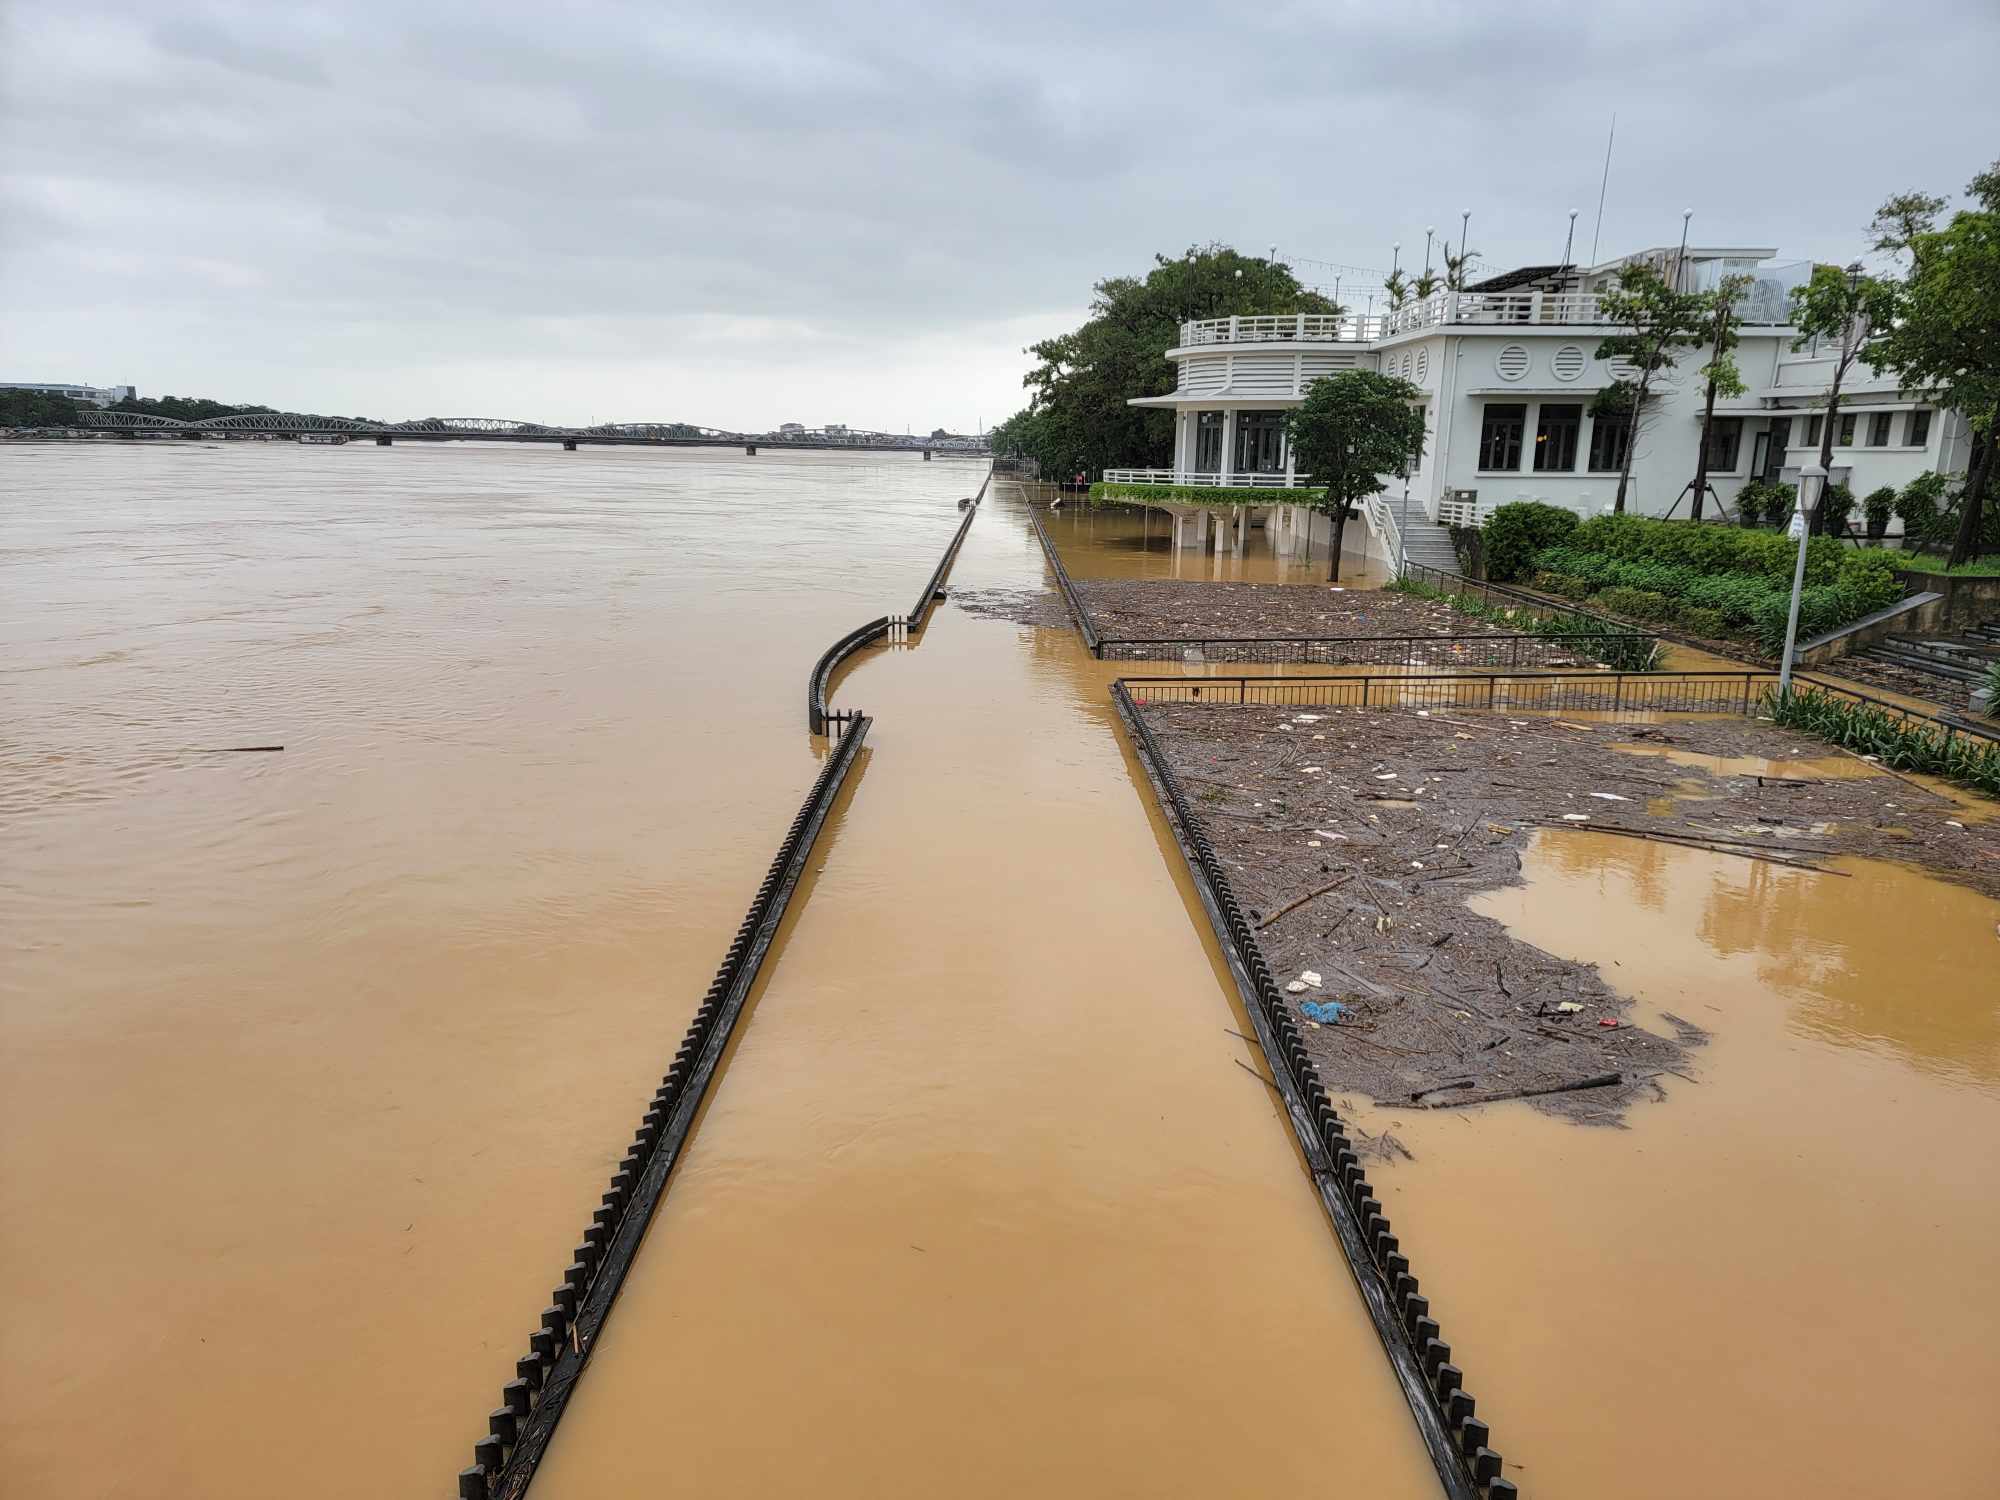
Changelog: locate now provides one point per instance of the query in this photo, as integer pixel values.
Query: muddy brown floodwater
(1119, 541)
(315, 1061)
(984, 1205)
(1780, 1281)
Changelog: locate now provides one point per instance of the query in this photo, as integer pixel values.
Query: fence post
(1617, 692)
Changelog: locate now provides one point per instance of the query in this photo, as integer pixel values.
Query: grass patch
(1924, 562)
(1897, 741)
(1582, 634)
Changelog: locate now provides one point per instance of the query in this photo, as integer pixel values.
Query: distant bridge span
(495, 429)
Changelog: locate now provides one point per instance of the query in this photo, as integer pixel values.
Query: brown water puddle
(1781, 1281)
(1106, 541)
(984, 1204)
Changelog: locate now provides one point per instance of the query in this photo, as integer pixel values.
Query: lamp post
(1812, 483)
(1429, 230)
(1403, 526)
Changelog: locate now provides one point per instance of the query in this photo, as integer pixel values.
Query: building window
(1846, 437)
(1500, 437)
(1725, 437)
(1781, 437)
(1814, 425)
(1610, 436)
(1555, 438)
(1918, 433)
(1878, 429)
(1260, 442)
(1208, 442)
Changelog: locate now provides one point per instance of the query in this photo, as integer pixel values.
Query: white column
(1228, 463)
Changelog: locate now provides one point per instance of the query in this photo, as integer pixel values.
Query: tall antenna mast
(1596, 233)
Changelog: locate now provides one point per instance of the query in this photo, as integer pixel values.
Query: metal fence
(1459, 1442)
(1495, 594)
(1070, 596)
(1492, 649)
(1636, 693)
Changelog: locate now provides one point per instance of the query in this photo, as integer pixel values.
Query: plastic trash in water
(1326, 1011)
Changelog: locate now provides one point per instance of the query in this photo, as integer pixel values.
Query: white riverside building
(94, 395)
(1508, 368)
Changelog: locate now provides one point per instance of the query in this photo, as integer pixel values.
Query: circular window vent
(1512, 363)
(1568, 362)
(1423, 364)
(1624, 369)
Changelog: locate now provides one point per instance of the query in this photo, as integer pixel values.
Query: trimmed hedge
(1197, 494)
(1717, 580)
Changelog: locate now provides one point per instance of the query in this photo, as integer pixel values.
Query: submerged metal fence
(1489, 649)
(1458, 1441)
(1496, 593)
(519, 1430)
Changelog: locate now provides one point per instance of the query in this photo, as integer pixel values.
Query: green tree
(1659, 321)
(1720, 373)
(1351, 430)
(1834, 305)
(1940, 326)
(36, 409)
(1082, 380)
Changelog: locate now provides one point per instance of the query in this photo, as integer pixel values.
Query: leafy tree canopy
(35, 409)
(1077, 419)
(1351, 431)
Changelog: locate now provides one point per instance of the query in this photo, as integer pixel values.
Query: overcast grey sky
(760, 212)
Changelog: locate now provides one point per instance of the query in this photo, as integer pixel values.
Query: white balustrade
(1209, 479)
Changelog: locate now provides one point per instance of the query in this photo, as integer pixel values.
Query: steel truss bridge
(498, 430)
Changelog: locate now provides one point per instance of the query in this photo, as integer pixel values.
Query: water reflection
(1886, 958)
(1119, 541)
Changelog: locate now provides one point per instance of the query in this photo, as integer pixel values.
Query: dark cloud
(781, 210)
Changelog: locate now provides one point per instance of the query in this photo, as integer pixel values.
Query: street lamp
(1812, 481)
(1403, 526)
(1429, 230)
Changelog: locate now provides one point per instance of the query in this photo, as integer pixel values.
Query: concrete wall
(1967, 601)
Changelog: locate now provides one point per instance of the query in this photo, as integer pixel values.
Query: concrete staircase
(1960, 660)
(1429, 544)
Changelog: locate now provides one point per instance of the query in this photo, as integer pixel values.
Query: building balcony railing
(1283, 328)
(1437, 310)
(1208, 478)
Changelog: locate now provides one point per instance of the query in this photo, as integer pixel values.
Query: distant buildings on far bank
(93, 395)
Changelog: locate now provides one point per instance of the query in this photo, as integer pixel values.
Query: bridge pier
(927, 455)
(751, 449)
(569, 445)
(382, 442)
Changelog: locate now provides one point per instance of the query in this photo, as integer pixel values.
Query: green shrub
(1561, 584)
(1835, 506)
(1731, 595)
(1515, 533)
(1699, 621)
(1637, 604)
(1754, 501)
(1918, 506)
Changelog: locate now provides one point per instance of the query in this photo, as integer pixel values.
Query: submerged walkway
(983, 1205)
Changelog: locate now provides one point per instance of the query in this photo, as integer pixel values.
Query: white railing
(1382, 521)
(1209, 479)
(1459, 508)
(1283, 328)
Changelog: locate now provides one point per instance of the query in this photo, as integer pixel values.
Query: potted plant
(1876, 510)
(1835, 506)
(1780, 501)
(1751, 502)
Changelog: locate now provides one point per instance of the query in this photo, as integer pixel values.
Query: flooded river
(316, 1060)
